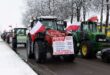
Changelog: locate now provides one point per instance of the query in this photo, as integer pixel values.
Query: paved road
(78, 67)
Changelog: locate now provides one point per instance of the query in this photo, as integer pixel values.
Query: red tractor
(51, 40)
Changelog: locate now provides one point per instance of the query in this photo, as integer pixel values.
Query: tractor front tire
(87, 50)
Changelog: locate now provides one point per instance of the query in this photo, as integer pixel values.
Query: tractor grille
(100, 38)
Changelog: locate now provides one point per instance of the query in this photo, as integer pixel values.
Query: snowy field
(11, 63)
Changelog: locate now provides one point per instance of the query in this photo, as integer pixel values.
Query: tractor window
(61, 27)
(21, 32)
(90, 27)
(49, 24)
(86, 27)
(93, 27)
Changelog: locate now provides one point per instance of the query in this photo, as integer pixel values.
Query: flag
(73, 26)
(93, 19)
(38, 27)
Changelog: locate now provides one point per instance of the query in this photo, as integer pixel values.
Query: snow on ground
(11, 63)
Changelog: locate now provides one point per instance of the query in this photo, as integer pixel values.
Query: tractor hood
(55, 33)
(97, 36)
(98, 33)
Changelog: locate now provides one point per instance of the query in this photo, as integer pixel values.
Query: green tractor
(89, 39)
(18, 37)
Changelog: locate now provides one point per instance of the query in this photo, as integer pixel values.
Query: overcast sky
(10, 12)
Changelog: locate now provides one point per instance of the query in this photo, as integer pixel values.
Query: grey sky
(10, 13)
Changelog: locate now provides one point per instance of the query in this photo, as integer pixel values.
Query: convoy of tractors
(47, 37)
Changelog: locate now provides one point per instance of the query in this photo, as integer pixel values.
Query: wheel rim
(84, 50)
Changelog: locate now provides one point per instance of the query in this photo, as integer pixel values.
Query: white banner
(63, 45)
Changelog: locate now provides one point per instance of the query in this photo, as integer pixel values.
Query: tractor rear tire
(39, 51)
(87, 50)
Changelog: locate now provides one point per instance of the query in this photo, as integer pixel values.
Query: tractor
(51, 41)
(89, 39)
(18, 37)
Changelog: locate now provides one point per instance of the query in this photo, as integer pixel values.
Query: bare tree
(61, 8)
(107, 15)
(101, 15)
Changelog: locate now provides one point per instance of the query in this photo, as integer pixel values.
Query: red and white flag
(73, 26)
(38, 27)
(93, 19)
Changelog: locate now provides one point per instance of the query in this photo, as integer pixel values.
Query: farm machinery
(49, 39)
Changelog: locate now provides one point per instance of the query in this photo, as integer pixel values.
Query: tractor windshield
(61, 27)
(50, 24)
(21, 31)
(89, 27)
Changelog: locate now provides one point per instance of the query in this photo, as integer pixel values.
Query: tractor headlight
(101, 39)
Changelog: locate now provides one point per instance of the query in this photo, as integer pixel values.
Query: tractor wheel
(39, 51)
(29, 53)
(69, 58)
(14, 44)
(86, 49)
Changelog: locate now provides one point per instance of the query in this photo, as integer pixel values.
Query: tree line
(66, 8)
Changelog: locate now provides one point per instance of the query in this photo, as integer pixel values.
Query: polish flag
(93, 19)
(73, 26)
(38, 27)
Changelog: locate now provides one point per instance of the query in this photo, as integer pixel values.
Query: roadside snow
(11, 63)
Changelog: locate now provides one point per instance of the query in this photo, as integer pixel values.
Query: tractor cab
(89, 31)
(49, 22)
